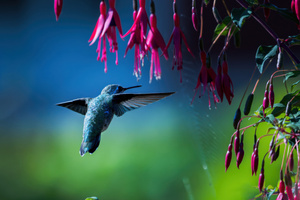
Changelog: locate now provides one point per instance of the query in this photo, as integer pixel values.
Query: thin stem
(201, 19)
(225, 6)
(269, 30)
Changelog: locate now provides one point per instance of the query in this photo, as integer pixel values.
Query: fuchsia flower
(57, 8)
(96, 33)
(106, 26)
(140, 22)
(206, 78)
(135, 40)
(226, 82)
(177, 36)
(219, 84)
(254, 159)
(261, 179)
(228, 156)
(266, 10)
(112, 21)
(155, 41)
(282, 195)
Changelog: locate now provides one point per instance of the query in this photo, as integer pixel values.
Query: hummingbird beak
(132, 87)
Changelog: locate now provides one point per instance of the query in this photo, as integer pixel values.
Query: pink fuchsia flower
(57, 8)
(206, 78)
(254, 159)
(226, 82)
(141, 22)
(135, 40)
(177, 36)
(282, 195)
(228, 156)
(155, 41)
(289, 185)
(96, 34)
(261, 178)
(240, 154)
(112, 21)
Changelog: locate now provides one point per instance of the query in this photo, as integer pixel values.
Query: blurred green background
(168, 150)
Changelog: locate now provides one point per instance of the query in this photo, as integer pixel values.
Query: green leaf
(294, 84)
(238, 15)
(293, 40)
(264, 53)
(206, 2)
(291, 74)
(270, 119)
(287, 13)
(92, 198)
(252, 2)
(226, 22)
(279, 108)
(269, 194)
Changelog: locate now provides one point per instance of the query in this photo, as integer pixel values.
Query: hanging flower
(194, 15)
(142, 21)
(112, 21)
(155, 41)
(177, 36)
(135, 40)
(206, 78)
(96, 33)
(57, 8)
(226, 82)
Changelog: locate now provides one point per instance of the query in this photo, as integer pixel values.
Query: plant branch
(269, 30)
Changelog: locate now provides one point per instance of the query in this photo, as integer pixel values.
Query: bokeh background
(168, 150)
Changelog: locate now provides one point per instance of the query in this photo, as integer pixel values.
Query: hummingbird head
(115, 89)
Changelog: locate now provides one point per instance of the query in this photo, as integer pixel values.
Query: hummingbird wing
(78, 105)
(126, 102)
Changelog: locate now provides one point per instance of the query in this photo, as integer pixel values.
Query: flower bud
(228, 157)
(281, 186)
(240, 154)
(194, 18)
(289, 185)
(236, 118)
(254, 160)
(266, 100)
(261, 177)
(248, 104)
(279, 60)
(271, 95)
(237, 142)
(275, 155)
(57, 8)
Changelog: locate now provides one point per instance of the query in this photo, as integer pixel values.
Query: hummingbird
(100, 110)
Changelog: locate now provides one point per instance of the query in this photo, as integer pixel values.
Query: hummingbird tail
(89, 146)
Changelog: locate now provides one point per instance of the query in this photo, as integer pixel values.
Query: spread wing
(126, 102)
(78, 105)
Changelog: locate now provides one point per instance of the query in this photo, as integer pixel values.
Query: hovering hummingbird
(100, 110)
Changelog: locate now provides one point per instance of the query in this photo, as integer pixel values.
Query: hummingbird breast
(98, 117)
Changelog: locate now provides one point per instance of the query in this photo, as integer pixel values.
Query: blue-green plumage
(100, 110)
